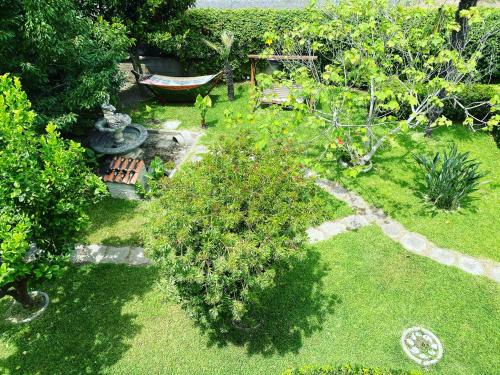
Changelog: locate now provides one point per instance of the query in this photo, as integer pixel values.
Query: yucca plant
(224, 50)
(449, 177)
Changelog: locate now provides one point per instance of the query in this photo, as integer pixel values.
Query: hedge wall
(346, 370)
(249, 26)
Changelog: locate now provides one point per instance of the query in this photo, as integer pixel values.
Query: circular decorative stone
(17, 315)
(422, 346)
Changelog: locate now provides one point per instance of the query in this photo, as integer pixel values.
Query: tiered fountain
(116, 134)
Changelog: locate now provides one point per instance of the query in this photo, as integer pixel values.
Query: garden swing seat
(277, 94)
(177, 89)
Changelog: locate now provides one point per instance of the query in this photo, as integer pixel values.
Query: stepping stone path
(413, 242)
(365, 215)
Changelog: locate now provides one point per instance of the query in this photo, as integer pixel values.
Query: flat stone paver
(354, 222)
(116, 255)
(393, 229)
(495, 273)
(332, 228)
(137, 257)
(470, 265)
(315, 235)
(88, 254)
(414, 242)
(443, 256)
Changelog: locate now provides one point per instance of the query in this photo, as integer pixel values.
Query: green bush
(226, 228)
(449, 177)
(474, 93)
(346, 370)
(45, 189)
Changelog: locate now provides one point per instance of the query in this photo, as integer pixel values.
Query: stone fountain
(116, 135)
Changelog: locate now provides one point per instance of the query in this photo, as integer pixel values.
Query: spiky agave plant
(449, 177)
(224, 50)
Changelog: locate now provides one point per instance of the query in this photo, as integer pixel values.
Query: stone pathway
(413, 242)
(364, 215)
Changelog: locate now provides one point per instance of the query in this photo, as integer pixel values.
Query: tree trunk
(19, 291)
(458, 37)
(228, 73)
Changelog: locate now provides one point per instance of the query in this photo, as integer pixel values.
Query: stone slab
(495, 273)
(332, 228)
(137, 257)
(88, 254)
(470, 265)
(315, 235)
(393, 229)
(354, 222)
(116, 255)
(442, 256)
(414, 242)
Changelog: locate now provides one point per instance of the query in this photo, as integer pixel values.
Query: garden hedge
(249, 26)
(346, 370)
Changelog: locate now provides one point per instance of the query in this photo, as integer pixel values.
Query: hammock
(177, 89)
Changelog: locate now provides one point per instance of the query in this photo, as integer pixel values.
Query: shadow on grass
(84, 330)
(295, 309)
(116, 222)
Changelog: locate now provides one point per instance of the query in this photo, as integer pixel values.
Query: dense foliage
(147, 21)
(67, 63)
(449, 177)
(45, 188)
(346, 370)
(224, 229)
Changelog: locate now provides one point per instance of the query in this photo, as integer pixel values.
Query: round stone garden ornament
(18, 315)
(422, 346)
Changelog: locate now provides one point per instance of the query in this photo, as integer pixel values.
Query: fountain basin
(134, 135)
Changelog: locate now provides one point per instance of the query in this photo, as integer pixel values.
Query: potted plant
(203, 104)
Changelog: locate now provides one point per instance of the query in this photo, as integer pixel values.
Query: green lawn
(392, 183)
(348, 302)
(116, 222)
(473, 229)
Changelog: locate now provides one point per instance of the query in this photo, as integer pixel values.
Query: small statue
(113, 123)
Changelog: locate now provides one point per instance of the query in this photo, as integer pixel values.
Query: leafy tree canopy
(45, 188)
(66, 62)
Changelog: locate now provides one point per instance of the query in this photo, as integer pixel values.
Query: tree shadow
(294, 309)
(84, 330)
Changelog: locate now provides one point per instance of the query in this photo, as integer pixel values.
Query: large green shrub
(449, 177)
(68, 64)
(226, 228)
(45, 187)
(346, 370)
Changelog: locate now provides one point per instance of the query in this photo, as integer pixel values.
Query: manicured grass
(116, 222)
(348, 302)
(392, 185)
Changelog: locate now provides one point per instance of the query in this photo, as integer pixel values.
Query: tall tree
(146, 20)
(45, 188)
(459, 36)
(67, 63)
